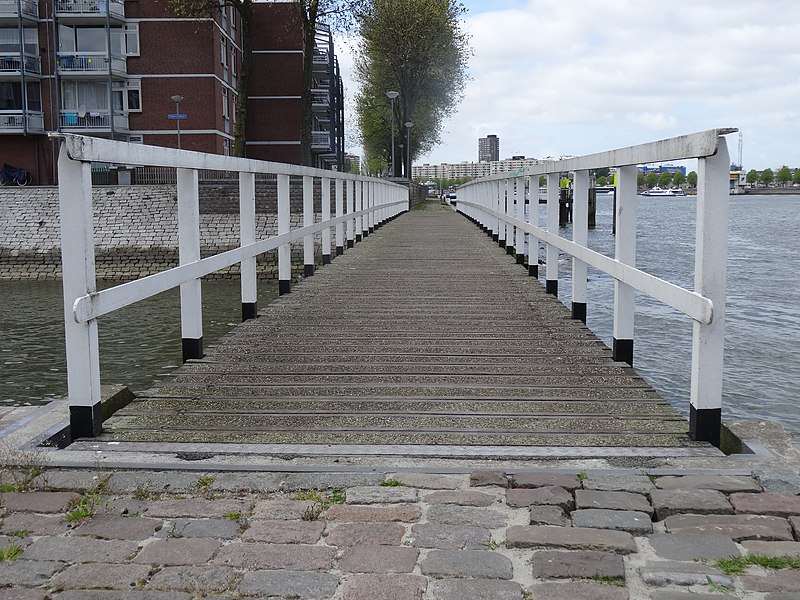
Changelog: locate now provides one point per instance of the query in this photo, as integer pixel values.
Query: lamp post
(392, 95)
(177, 100)
(408, 148)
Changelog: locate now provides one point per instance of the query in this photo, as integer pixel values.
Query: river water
(762, 342)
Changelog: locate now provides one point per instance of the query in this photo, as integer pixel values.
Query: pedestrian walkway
(486, 535)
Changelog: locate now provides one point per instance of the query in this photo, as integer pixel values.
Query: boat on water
(657, 191)
(604, 189)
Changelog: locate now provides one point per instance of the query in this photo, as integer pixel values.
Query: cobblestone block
(281, 509)
(663, 573)
(612, 500)
(285, 532)
(576, 590)
(101, 575)
(428, 481)
(28, 573)
(291, 557)
(450, 537)
(673, 595)
(779, 582)
(178, 551)
(391, 586)
(569, 538)
(738, 527)
(352, 514)
(768, 503)
(378, 559)
(467, 563)
(381, 495)
(329, 481)
(201, 579)
(197, 507)
(722, 483)
(543, 496)
(84, 548)
(226, 529)
(350, 535)
(543, 479)
(476, 589)
(487, 478)
(461, 497)
(128, 482)
(34, 524)
(637, 484)
(449, 514)
(548, 515)
(779, 481)
(772, 548)
(699, 502)
(688, 546)
(120, 528)
(256, 482)
(634, 522)
(37, 502)
(549, 564)
(120, 595)
(23, 594)
(301, 585)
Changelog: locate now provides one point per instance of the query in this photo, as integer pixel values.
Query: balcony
(320, 99)
(90, 11)
(92, 121)
(14, 121)
(9, 10)
(90, 64)
(12, 64)
(320, 140)
(321, 61)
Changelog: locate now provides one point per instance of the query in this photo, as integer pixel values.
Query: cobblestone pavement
(374, 536)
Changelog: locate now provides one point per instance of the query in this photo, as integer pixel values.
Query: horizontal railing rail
(497, 202)
(361, 204)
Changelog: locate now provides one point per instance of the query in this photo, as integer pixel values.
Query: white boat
(657, 191)
(604, 189)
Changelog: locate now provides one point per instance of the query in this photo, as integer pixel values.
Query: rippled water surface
(762, 343)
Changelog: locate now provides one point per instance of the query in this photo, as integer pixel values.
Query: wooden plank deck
(425, 334)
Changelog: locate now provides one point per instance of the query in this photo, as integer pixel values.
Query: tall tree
(418, 49)
(767, 176)
(784, 175)
(752, 176)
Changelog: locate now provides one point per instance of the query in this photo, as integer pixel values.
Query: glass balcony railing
(93, 120)
(90, 62)
(13, 121)
(84, 8)
(10, 8)
(12, 64)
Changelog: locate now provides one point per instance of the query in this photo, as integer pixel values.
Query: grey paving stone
(569, 538)
(486, 478)
(127, 482)
(256, 482)
(663, 573)
(378, 559)
(548, 515)
(34, 524)
(634, 522)
(124, 506)
(197, 507)
(673, 595)
(461, 497)
(38, 502)
(390, 586)
(578, 564)
(722, 483)
(467, 563)
(779, 481)
(576, 590)
(285, 509)
(381, 495)
(200, 579)
(285, 532)
(543, 496)
(120, 595)
(688, 546)
(768, 503)
(449, 514)
(120, 528)
(475, 589)
(772, 548)
(28, 573)
(101, 575)
(291, 557)
(23, 594)
(777, 581)
(178, 551)
(352, 514)
(432, 481)
(450, 537)
(15, 541)
(738, 527)
(329, 481)
(545, 479)
(71, 480)
(637, 484)
(226, 529)
(80, 549)
(348, 535)
(301, 585)
(612, 500)
(699, 502)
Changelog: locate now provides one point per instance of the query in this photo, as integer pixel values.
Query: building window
(91, 95)
(136, 139)
(9, 40)
(223, 55)
(225, 114)
(134, 95)
(226, 147)
(132, 39)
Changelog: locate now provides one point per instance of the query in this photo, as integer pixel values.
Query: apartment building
(489, 148)
(134, 71)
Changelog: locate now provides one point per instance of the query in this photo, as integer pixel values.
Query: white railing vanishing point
(496, 203)
(368, 202)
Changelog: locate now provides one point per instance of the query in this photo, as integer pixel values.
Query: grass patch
(392, 483)
(11, 553)
(203, 486)
(609, 580)
(22, 470)
(86, 505)
(737, 565)
(582, 476)
(326, 500)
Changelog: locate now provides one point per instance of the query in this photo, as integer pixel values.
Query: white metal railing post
(308, 220)
(372, 204)
(501, 204)
(580, 235)
(359, 206)
(326, 215)
(189, 252)
(351, 223)
(339, 212)
(533, 217)
(711, 256)
(625, 252)
(511, 212)
(519, 213)
(247, 235)
(553, 194)
(284, 225)
(78, 273)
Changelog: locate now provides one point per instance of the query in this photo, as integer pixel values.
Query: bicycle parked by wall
(10, 175)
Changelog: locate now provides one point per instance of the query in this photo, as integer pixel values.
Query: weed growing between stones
(22, 470)
(203, 486)
(582, 476)
(392, 483)
(609, 580)
(321, 501)
(87, 505)
(10, 554)
(738, 564)
(719, 587)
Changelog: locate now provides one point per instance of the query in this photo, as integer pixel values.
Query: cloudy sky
(572, 77)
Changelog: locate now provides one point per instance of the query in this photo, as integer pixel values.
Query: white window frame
(132, 31)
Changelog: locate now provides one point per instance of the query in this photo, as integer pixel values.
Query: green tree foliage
(678, 178)
(752, 176)
(767, 176)
(796, 176)
(651, 179)
(665, 179)
(691, 178)
(602, 180)
(784, 175)
(417, 48)
(640, 179)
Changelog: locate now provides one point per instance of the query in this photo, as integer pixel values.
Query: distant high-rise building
(489, 148)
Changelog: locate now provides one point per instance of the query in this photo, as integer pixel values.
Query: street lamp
(408, 148)
(177, 100)
(392, 95)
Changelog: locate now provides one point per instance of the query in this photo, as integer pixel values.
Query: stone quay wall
(136, 229)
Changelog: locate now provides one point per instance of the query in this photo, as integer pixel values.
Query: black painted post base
(364, 234)
(579, 311)
(510, 250)
(501, 243)
(551, 286)
(326, 259)
(249, 310)
(350, 243)
(339, 250)
(308, 270)
(192, 348)
(623, 351)
(520, 259)
(705, 424)
(284, 287)
(495, 237)
(85, 421)
(533, 270)
(372, 230)
(358, 237)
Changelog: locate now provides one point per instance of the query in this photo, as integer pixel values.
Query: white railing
(496, 203)
(90, 62)
(13, 63)
(15, 120)
(93, 120)
(30, 8)
(115, 8)
(361, 204)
